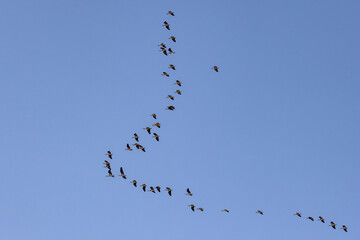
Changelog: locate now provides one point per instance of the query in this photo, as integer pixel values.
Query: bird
(188, 192)
(171, 13)
(164, 51)
(168, 190)
(144, 187)
(167, 25)
(192, 207)
(134, 182)
(225, 210)
(148, 129)
(153, 115)
(201, 209)
(165, 74)
(128, 147)
(260, 212)
(173, 38)
(137, 145)
(178, 92)
(158, 188)
(312, 219)
(122, 173)
(298, 214)
(178, 83)
(152, 190)
(107, 164)
(344, 228)
(171, 97)
(172, 67)
(162, 45)
(109, 154)
(142, 148)
(216, 68)
(170, 51)
(170, 108)
(156, 136)
(156, 125)
(136, 137)
(110, 173)
(333, 225)
(321, 219)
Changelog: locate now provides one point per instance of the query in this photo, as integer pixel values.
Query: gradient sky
(276, 129)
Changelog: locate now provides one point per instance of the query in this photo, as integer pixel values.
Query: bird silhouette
(173, 38)
(192, 207)
(167, 25)
(216, 68)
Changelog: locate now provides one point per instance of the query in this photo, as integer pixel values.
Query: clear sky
(276, 129)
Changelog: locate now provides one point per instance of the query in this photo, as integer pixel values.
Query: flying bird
(164, 51)
(170, 96)
(136, 137)
(144, 187)
(344, 228)
(173, 38)
(192, 207)
(128, 147)
(178, 83)
(142, 148)
(158, 188)
(260, 212)
(162, 45)
(107, 164)
(153, 115)
(178, 92)
(170, 108)
(201, 209)
(137, 145)
(156, 125)
(225, 210)
(134, 182)
(171, 13)
(170, 51)
(168, 190)
(148, 129)
(298, 214)
(321, 219)
(172, 67)
(216, 68)
(110, 173)
(333, 225)
(156, 136)
(122, 173)
(188, 192)
(167, 25)
(152, 189)
(109, 154)
(165, 74)
(312, 219)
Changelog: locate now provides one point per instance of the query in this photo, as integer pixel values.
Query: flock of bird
(166, 51)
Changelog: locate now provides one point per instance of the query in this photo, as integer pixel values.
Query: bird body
(144, 187)
(260, 212)
(225, 210)
(171, 97)
(136, 137)
(171, 13)
(178, 83)
(178, 92)
(110, 173)
(167, 25)
(168, 190)
(201, 209)
(172, 67)
(310, 218)
(148, 129)
(122, 174)
(344, 228)
(188, 192)
(154, 115)
(156, 136)
(109, 154)
(165, 74)
(321, 219)
(158, 188)
(333, 225)
(152, 189)
(170, 51)
(156, 125)
(216, 68)
(128, 147)
(192, 207)
(173, 38)
(134, 182)
(298, 214)
(170, 108)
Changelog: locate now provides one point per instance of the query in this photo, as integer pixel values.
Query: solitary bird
(156, 136)
(332, 224)
(153, 115)
(168, 190)
(170, 108)
(200, 208)
(173, 38)
(178, 83)
(225, 210)
(216, 68)
(172, 67)
(128, 147)
(321, 219)
(260, 212)
(165, 74)
(148, 129)
(170, 51)
(134, 182)
(298, 214)
(171, 97)
(136, 137)
(178, 92)
(171, 13)
(156, 125)
(152, 189)
(144, 187)
(344, 228)
(192, 207)
(312, 219)
(110, 173)
(188, 192)
(158, 188)
(167, 25)
(122, 173)
(109, 154)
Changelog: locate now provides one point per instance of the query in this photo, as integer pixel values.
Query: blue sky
(276, 129)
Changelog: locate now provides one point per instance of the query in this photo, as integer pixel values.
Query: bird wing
(188, 190)
(121, 170)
